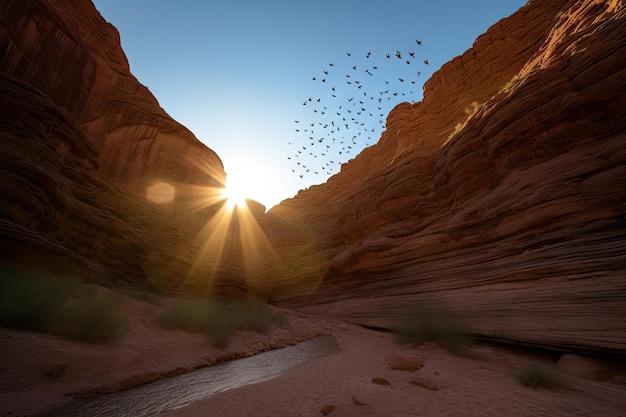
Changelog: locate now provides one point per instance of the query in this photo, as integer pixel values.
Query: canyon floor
(40, 371)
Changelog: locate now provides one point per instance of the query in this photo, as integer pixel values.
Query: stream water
(181, 390)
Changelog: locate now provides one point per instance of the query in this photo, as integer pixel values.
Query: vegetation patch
(55, 305)
(511, 83)
(537, 377)
(89, 319)
(219, 319)
(28, 300)
(472, 108)
(424, 323)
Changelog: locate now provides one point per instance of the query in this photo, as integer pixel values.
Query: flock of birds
(348, 110)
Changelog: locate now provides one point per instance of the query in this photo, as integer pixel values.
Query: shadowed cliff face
(97, 180)
(501, 195)
(66, 49)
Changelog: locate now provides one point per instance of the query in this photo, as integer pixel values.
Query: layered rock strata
(501, 195)
(96, 177)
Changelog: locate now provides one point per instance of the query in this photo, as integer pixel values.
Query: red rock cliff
(501, 195)
(83, 144)
(67, 49)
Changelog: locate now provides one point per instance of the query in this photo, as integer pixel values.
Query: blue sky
(238, 74)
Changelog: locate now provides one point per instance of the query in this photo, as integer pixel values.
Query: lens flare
(160, 193)
(229, 250)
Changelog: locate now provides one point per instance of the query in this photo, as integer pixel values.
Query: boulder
(406, 362)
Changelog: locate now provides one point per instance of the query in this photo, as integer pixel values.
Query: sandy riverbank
(40, 371)
(354, 383)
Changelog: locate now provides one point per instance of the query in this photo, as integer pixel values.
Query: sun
(236, 192)
(249, 178)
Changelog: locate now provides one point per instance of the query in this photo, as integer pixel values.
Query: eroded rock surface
(97, 179)
(501, 195)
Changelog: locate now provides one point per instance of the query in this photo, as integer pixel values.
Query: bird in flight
(353, 115)
(418, 41)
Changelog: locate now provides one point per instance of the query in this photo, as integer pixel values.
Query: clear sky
(239, 74)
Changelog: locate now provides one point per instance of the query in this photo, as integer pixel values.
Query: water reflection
(181, 390)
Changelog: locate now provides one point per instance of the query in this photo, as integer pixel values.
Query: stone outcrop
(96, 178)
(501, 195)
(67, 50)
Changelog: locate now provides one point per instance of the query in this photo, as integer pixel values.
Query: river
(178, 391)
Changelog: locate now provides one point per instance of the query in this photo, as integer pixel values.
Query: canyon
(500, 195)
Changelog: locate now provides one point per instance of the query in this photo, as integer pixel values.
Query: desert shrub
(219, 319)
(27, 300)
(426, 323)
(89, 319)
(471, 109)
(39, 303)
(536, 377)
(512, 82)
(186, 315)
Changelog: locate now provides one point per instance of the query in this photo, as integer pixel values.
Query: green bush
(89, 319)
(42, 304)
(536, 377)
(425, 323)
(218, 319)
(28, 300)
(189, 316)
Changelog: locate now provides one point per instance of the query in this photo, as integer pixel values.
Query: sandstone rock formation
(501, 195)
(96, 178)
(68, 51)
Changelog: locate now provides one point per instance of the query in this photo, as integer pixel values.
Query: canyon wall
(67, 50)
(502, 195)
(97, 179)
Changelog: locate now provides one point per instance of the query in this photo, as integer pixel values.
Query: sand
(40, 371)
(482, 384)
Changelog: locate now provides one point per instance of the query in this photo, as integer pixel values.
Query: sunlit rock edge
(500, 195)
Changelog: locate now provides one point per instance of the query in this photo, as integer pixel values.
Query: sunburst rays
(229, 247)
